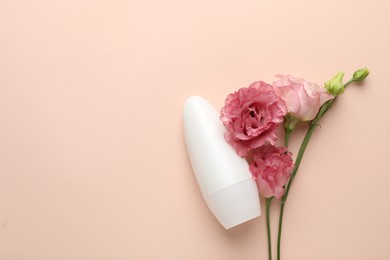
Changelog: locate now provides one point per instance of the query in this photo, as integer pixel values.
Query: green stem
(324, 108)
(280, 228)
(287, 136)
(289, 127)
(349, 82)
(267, 210)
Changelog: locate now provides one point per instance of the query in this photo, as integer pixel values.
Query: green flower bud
(360, 75)
(335, 85)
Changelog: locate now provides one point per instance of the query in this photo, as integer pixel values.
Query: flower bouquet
(252, 115)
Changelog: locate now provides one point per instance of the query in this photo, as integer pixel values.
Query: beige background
(92, 159)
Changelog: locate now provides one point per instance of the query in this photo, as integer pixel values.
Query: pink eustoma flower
(251, 116)
(271, 168)
(303, 99)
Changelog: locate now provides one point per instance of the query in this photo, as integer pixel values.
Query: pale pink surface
(251, 116)
(271, 168)
(303, 98)
(92, 157)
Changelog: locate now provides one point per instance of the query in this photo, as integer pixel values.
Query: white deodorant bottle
(223, 177)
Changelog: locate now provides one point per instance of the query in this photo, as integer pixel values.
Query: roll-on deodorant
(223, 177)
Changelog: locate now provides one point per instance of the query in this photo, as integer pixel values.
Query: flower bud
(335, 86)
(360, 75)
